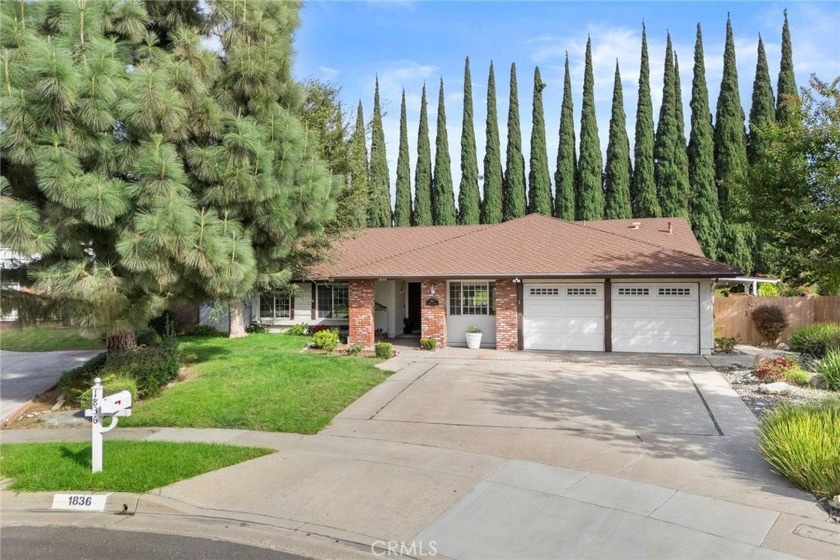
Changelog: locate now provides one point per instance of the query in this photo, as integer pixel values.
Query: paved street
(37, 543)
(25, 374)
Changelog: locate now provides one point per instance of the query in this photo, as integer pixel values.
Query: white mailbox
(116, 405)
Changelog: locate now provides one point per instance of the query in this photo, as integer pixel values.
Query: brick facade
(360, 311)
(433, 318)
(507, 316)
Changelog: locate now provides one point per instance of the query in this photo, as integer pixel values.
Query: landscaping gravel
(746, 385)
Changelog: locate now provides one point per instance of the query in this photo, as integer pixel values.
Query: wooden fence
(733, 314)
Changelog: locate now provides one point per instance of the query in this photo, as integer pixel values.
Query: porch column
(507, 316)
(360, 312)
(433, 317)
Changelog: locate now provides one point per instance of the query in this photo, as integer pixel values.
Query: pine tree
(379, 210)
(731, 160)
(539, 178)
(564, 176)
(704, 211)
(469, 199)
(513, 195)
(402, 205)
(786, 86)
(670, 173)
(491, 208)
(148, 171)
(590, 195)
(422, 213)
(618, 172)
(355, 205)
(443, 197)
(643, 188)
(762, 110)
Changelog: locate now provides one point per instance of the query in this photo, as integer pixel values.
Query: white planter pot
(473, 340)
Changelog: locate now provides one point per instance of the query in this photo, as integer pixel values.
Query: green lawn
(45, 339)
(259, 382)
(128, 466)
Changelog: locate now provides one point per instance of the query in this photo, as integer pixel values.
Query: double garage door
(646, 317)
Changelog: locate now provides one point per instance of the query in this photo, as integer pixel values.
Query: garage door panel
(650, 317)
(563, 317)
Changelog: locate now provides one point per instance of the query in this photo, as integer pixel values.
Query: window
(634, 291)
(332, 300)
(674, 291)
(472, 298)
(544, 291)
(275, 307)
(581, 291)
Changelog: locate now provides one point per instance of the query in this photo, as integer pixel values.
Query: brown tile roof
(531, 246)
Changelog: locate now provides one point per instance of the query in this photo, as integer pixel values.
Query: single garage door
(655, 318)
(563, 317)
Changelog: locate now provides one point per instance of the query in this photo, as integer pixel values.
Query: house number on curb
(80, 502)
(116, 405)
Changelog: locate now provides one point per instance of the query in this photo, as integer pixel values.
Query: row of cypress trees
(670, 175)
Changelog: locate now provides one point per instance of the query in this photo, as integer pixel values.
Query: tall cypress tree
(564, 176)
(359, 201)
(491, 208)
(704, 211)
(379, 211)
(513, 195)
(618, 172)
(590, 194)
(670, 170)
(681, 154)
(786, 87)
(762, 110)
(469, 199)
(643, 188)
(731, 159)
(422, 213)
(402, 205)
(539, 178)
(443, 197)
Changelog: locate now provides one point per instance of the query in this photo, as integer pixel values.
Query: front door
(413, 308)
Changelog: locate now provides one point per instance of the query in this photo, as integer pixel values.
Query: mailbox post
(116, 405)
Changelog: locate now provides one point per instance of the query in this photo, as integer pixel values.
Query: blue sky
(409, 43)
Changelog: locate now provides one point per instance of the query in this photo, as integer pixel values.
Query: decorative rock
(783, 346)
(778, 388)
(817, 381)
(58, 403)
(761, 359)
(835, 502)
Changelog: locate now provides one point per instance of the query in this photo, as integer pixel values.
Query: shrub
(798, 375)
(297, 330)
(770, 321)
(111, 384)
(800, 442)
(326, 339)
(205, 330)
(772, 370)
(726, 344)
(384, 350)
(256, 328)
(768, 290)
(354, 349)
(829, 368)
(147, 336)
(428, 343)
(473, 330)
(816, 339)
(74, 381)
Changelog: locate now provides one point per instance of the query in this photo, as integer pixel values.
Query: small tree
(770, 321)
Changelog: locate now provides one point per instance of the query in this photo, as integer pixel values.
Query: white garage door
(563, 317)
(655, 318)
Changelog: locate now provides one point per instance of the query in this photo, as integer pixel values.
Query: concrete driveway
(533, 456)
(25, 374)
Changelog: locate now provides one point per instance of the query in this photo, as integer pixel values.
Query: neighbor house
(533, 283)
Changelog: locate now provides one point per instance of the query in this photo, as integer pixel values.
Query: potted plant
(473, 336)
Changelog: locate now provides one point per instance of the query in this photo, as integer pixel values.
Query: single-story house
(533, 283)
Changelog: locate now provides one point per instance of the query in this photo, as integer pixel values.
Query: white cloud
(329, 73)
